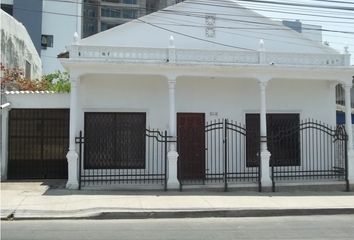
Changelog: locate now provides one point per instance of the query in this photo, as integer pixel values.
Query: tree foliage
(14, 79)
(57, 81)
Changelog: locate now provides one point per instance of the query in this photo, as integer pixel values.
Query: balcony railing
(201, 56)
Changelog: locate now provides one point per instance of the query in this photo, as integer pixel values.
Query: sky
(332, 19)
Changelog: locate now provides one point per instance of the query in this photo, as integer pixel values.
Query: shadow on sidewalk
(56, 187)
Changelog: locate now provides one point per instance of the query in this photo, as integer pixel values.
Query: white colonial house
(206, 94)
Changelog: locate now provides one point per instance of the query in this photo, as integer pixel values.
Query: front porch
(163, 83)
(227, 137)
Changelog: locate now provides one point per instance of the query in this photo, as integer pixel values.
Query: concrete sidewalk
(36, 200)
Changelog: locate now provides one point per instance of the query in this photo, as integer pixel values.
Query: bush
(57, 81)
(14, 79)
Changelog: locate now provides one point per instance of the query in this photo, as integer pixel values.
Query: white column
(348, 115)
(72, 155)
(349, 130)
(4, 140)
(265, 154)
(172, 181)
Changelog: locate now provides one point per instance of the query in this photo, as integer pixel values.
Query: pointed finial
(172, 41)
(261, 45)
(76, 37)
(346, 50)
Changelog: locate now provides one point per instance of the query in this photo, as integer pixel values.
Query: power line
(301, 5)
(154, 24)
(200, 2)
(312, 43)
(193, 37)
(332, 1)
(197, 14)
(241, 15)
(249, 31)
(261, 23)
(232, 6)
(297, 10)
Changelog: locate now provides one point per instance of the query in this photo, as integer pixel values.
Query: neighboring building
(100, 15)
(17, 48)
(7, 6)
(61, 19)
(50, 24)
(29, 13)
(86, 17)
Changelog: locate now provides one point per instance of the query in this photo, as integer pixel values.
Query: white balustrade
(305, 59)
(201, 56)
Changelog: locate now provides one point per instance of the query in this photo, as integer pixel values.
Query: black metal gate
(153, 170)
(38, 143)
(118, 149)
(226, 155)
(308, 150)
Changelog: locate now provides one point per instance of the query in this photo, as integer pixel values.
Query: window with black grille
(47, 41)
(114, 140)
(8, 8)
(283, 139)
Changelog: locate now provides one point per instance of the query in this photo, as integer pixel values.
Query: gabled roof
(236, 27)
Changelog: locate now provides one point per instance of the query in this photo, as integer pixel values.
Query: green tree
(57, 81)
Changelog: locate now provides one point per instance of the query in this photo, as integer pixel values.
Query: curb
(179, 214)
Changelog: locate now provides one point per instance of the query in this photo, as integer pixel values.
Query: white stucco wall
(38, 100)
(17, 46)
(125, 94)
(68, 15)
(313, 32)
(230, 98)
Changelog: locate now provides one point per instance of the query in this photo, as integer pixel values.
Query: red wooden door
(191, 146)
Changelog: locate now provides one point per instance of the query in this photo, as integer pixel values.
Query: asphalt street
(301, 227)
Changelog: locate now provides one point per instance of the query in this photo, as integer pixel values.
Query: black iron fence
(243, 157)
(305, 150)
(308, 150)
(226, 156)
(125, 166)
